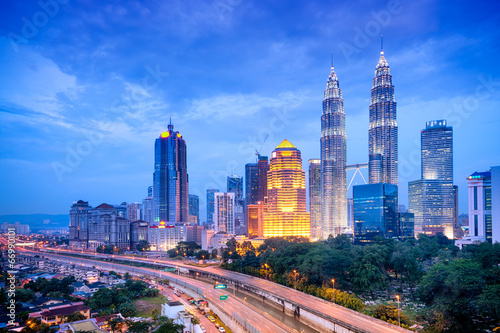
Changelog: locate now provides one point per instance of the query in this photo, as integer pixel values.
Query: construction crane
(257, 152)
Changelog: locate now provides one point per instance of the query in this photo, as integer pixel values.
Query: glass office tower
(383, 128)
(333, 160)
(170, 178)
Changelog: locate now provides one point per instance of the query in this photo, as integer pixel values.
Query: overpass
(312, 311)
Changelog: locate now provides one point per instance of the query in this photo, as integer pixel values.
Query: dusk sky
(87, 86)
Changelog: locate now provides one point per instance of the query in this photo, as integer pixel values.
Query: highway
(355, 319)
(232, 304)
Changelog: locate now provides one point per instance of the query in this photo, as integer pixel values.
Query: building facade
(170, 178)
(484, 212)
(194, 207)
(315, 197)
(164, 237)
(134, 211)
(383, 128)
(224, 209)
(210, 204)
(79, 217)
(375, 212)
(256, 180)
(431, 199)
(255, 219)
(286, 189)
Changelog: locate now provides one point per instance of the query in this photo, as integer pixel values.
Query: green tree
(143, 246)
(366, 275)
(407, 265)
(202, 255)
(170, 327)
(115, 323)
(451, 290)
(127, 309)
(155, 313)
(138, 326)
(75, 316)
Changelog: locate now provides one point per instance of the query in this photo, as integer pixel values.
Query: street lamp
(399, 318)
(295, 273)
(333, 290)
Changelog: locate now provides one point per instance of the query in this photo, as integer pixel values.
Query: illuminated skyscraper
(170, 178)
(315, 197)
(286, 189)
(333, 160)
(256, 180)
(383, 130)
(224, 204)
(431, 198)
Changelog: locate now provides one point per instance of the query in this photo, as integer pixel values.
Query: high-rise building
(315, 197)
(224, 205)
(235, 185)
(79, 216)
(457, 231)
(147, 210)
(170, 189)
(194, 207)
(255, 219)
(375, 212)
(134, 211)
(286, 190)
(333, 160)
(383, 130)
(350, 212)
(406, 225)
(431, 199)
(256, 180)
(484, 204)
(210, 204)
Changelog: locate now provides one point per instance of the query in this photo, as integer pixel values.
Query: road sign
(169, 269)
(224, 297)
(220, 286)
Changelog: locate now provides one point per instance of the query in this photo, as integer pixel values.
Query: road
(232, 304)
(353, 318)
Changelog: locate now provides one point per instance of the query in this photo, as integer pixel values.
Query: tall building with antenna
(333, 160)
(170, 178)
(383, 128)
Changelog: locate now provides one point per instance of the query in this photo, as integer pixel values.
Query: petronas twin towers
(383, 146)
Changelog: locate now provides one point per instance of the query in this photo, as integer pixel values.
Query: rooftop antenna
(170, 126)
(381, 44)
(332, 59)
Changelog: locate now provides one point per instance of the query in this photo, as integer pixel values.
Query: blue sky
(87, 86)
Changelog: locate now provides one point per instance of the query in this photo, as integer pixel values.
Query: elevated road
(307, 308)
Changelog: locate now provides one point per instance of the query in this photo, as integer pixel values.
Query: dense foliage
(461, 288)
(119, 299)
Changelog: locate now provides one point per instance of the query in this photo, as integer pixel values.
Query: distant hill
(38, 221)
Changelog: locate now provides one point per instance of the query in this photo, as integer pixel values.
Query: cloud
(241, 105)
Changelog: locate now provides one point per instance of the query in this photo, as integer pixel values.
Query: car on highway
(222, 330)
(212, 319)
(203, 329)
(169, 299)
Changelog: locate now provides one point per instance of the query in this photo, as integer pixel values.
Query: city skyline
(55, 94)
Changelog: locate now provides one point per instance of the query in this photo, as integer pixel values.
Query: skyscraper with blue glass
(333, 160)
(383, 130)
(170, 178)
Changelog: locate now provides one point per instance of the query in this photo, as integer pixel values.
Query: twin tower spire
(382, 146)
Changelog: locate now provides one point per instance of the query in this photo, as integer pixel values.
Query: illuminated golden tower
(286, 189)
